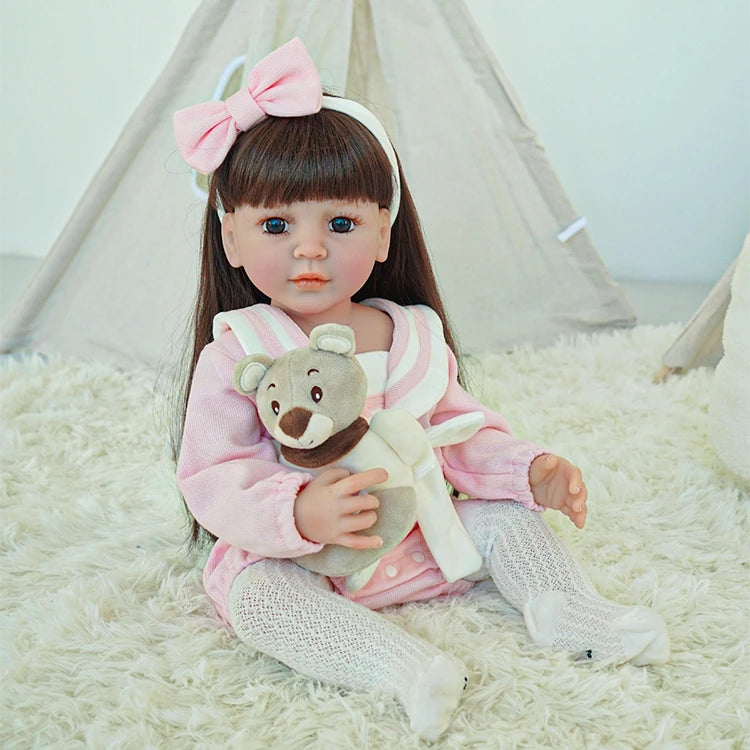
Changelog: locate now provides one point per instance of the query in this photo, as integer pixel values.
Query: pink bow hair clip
(285, 83)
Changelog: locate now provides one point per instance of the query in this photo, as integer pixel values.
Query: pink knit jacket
(231, 480)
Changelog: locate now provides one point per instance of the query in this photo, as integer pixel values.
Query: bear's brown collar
(335, 447)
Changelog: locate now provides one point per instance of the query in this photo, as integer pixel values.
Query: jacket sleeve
(492, 464)
(228, 471)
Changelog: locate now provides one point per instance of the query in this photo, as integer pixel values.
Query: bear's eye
(275, 407)
(316, 394)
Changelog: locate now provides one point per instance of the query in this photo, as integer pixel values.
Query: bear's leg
(293, 615)
(538, 576)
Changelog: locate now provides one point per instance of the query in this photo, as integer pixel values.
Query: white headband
(368, 119)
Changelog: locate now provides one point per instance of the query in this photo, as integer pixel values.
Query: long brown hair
(323, 156)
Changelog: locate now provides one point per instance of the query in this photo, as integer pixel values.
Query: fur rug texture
(108, 640)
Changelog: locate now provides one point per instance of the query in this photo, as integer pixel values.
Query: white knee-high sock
(538, 576)
(294, 616)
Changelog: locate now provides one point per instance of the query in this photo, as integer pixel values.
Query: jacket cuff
(290, 485)
(527, 452)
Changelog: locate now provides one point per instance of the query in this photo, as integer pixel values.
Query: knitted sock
(538, 576)
(293, 615)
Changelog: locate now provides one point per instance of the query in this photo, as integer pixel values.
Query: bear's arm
(402, 432)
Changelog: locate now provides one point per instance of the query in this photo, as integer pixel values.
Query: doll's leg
(294, 616)
(536, 574)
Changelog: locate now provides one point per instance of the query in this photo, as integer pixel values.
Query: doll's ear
(332, 337)
(231, 250)
(248, 373)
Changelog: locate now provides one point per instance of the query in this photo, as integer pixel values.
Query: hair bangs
(325, 156)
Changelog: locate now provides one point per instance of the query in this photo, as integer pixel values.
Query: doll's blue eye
(275, 225)
(341, 225)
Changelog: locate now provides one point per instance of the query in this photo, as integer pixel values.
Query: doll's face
(308, 257)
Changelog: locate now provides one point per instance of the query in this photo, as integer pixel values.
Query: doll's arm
(492, 464)
(228, 472)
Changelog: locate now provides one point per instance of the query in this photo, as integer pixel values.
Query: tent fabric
(729, 405)
(120, 280)
(700, 341)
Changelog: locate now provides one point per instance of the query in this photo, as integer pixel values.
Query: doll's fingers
(575, 481)
(579, 519)
(576, 515)
(360, 541)
(359, 521)
(355, 483)
(359, 503)
(579, 501)
(331, 476)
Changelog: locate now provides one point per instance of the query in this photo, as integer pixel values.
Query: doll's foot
(597, 629)
(435, 695)
(657, 651)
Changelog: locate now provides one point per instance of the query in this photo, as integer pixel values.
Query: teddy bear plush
(310, 400)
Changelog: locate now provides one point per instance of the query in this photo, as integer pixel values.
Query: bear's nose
(295, 421)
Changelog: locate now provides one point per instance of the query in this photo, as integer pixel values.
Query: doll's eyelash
(354, 218)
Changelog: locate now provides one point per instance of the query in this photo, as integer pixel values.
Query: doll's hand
(556, 483)
(330, 509)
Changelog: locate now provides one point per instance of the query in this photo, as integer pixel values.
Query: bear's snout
(295, 421)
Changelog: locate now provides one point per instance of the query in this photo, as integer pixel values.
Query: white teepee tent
(729, 407)
(700, 341)
(509, 250)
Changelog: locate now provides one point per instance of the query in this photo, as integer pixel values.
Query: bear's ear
(332, 337)
(248, 372)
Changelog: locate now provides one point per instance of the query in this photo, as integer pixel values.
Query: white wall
(643, 107)
(71, 73)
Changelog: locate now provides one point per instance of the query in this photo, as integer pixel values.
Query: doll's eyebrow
(312, 369)
(271, 385)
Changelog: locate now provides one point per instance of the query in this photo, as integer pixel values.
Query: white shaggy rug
(109, 642)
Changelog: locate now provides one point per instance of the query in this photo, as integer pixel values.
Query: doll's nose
(310, 246)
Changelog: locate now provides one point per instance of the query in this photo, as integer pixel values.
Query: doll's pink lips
(309, 281)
